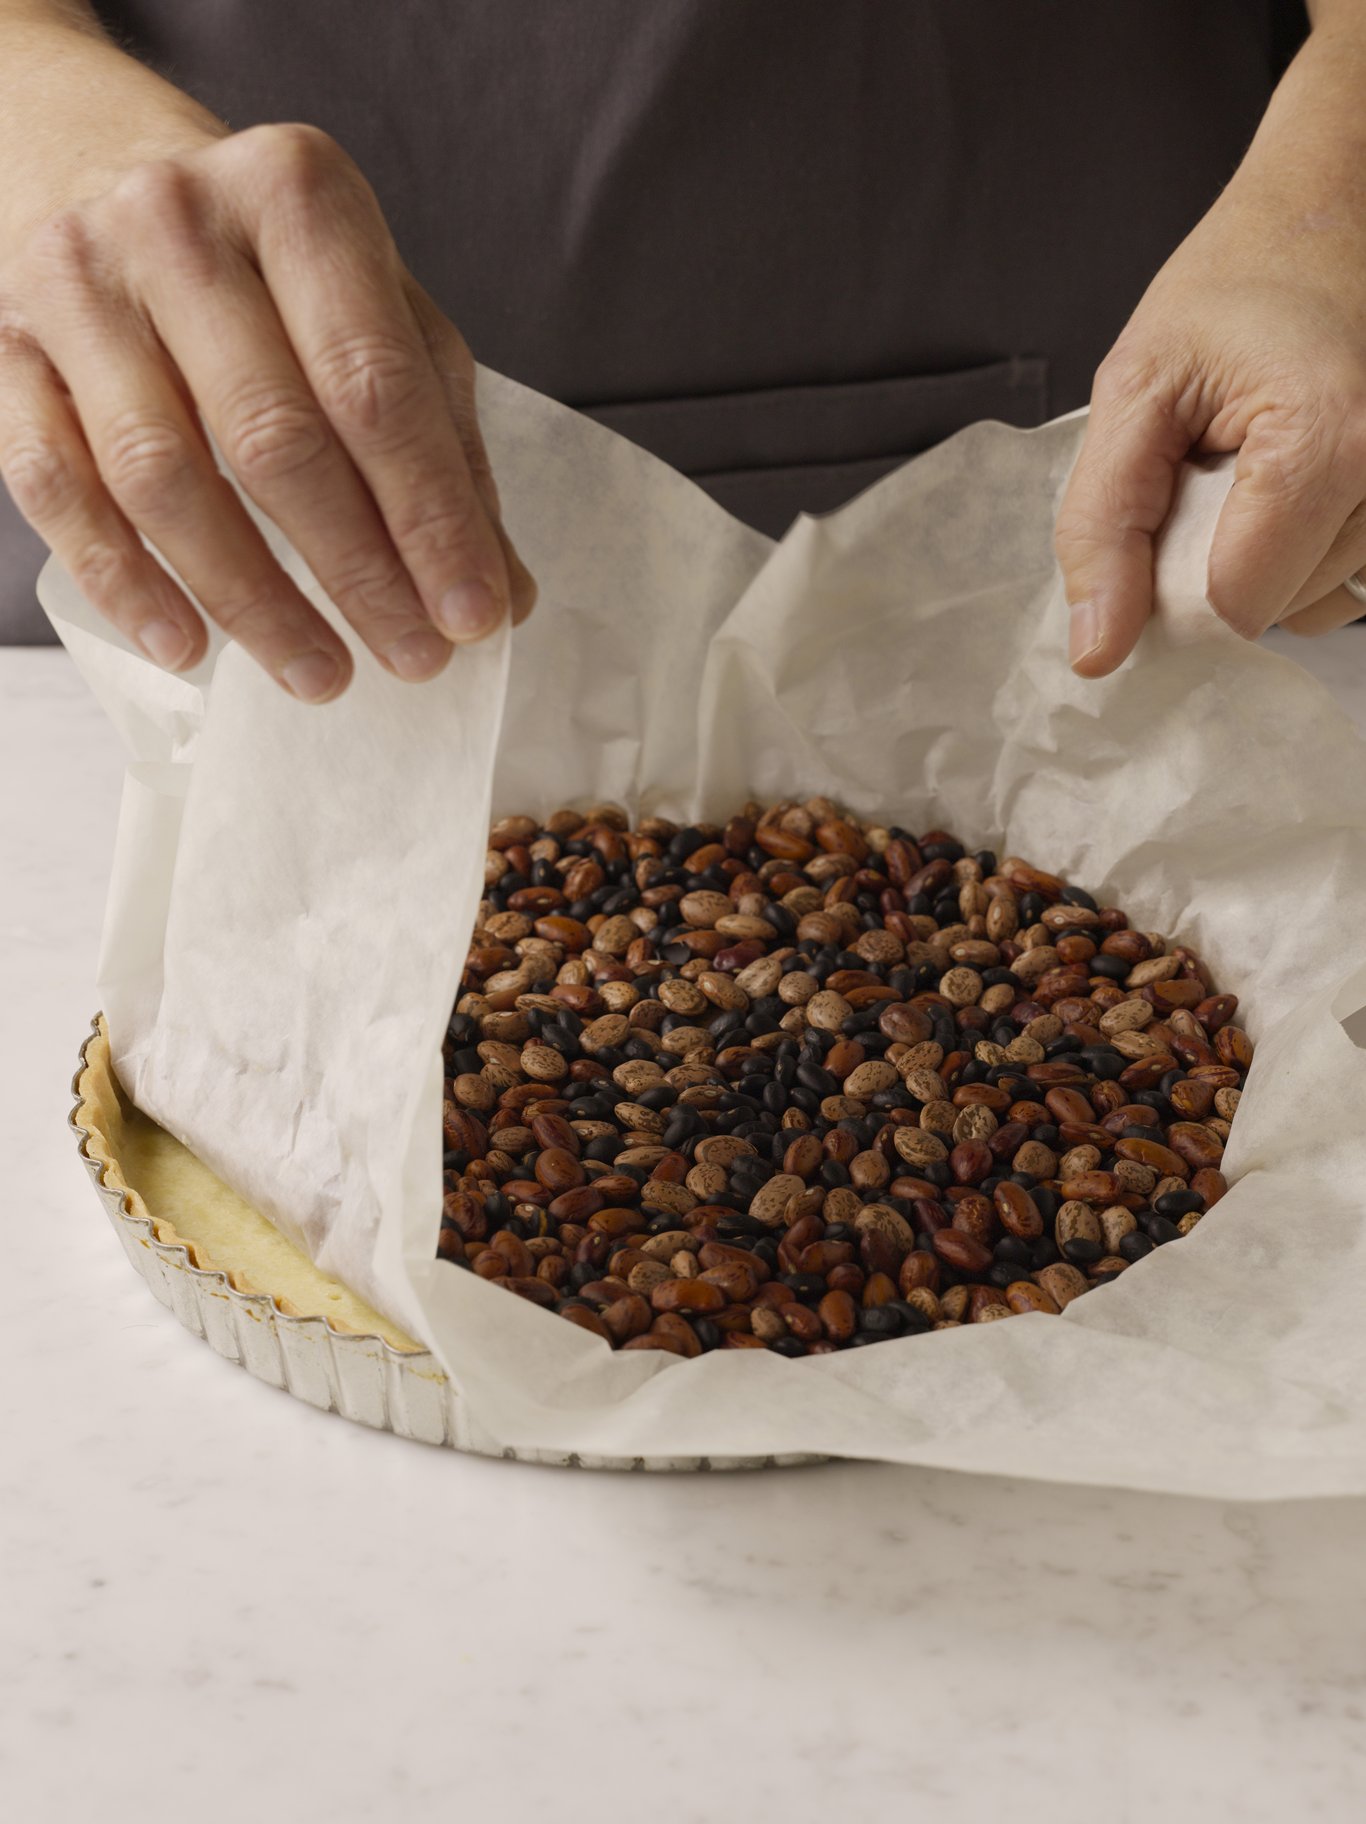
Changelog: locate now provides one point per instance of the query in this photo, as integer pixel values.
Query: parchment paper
(294, 888)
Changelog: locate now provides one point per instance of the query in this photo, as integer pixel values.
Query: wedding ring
(1355, 586)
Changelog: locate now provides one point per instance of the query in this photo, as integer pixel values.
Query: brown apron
(784, 244)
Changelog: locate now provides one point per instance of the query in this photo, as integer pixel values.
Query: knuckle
(1120, 380)
(147, 465)
(159, 207)
(251, 613)
(367, 382)
(438, 530)
(160, 190)
(1290, 465)
(1077, 534)
(40, 480)
(103, 572)
(367, 579)
(297, 156)
(63, 246)
(273, 436)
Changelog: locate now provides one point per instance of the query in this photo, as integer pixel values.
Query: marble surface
(218, 1603)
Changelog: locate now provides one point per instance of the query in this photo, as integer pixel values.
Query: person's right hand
(250, 279)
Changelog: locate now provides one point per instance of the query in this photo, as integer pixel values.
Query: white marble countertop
(219, 1603)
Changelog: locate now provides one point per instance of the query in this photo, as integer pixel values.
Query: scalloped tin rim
(361, 1377)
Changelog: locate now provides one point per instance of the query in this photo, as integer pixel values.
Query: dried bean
(672, 1047)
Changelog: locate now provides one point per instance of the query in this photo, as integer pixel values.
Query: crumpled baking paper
(294, 888)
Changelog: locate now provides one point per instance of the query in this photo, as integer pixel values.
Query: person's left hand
(1251, 338)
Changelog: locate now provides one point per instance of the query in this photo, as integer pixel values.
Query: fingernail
(1085, 635)
(418, 655)
(468, 611)
(166, 642)
(312, 676)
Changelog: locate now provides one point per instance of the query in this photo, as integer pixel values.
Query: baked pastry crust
(163, 1183)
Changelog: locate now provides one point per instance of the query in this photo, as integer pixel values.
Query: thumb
(1119, 494)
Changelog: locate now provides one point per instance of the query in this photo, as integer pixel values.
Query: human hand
(1251, 338)
(251, 278)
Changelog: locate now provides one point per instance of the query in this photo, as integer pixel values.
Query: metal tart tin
(364, 1378)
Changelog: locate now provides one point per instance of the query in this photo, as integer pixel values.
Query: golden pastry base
(234, 1279)
(187, 1206)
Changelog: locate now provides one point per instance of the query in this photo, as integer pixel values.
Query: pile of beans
(803, 1083)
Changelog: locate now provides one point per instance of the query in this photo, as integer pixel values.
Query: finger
(218, 323)
(49, 471)
(1296, 481)
(1334, 610)
(154, 461)
(327, 258)
(455, 368)
(1344, 557)
(1119, 494)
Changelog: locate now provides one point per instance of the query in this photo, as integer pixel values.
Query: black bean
(817, 1078)
(879, 1320)
(1172, 1204)
(914, 1321)
(893, 1098)
(1082, 1253)
(728, 1227)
